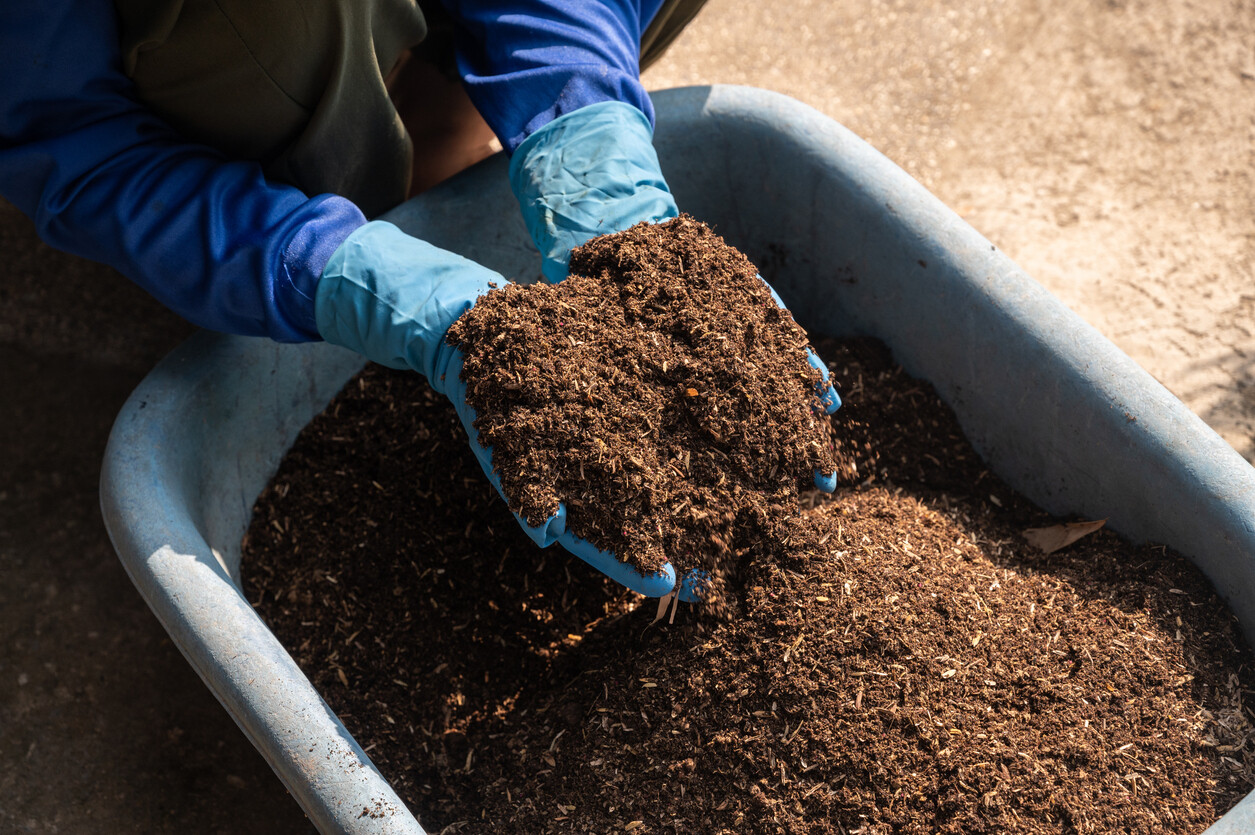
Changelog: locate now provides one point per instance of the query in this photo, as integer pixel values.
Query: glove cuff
(585, 174)
(392, 298)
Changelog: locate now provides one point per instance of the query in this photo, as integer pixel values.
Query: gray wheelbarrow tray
(854, 246)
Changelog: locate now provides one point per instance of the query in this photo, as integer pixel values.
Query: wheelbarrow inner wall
(853, 245)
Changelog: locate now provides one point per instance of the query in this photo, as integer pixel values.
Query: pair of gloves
(393, 297)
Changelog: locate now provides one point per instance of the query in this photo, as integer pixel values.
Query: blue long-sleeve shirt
(527, 62)
(105, 178)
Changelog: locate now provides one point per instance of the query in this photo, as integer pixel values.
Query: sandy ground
(1109, 147)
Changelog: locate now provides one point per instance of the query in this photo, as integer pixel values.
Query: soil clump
(659, 391)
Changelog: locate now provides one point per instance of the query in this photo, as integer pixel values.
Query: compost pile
(894, 658)
(659, 391)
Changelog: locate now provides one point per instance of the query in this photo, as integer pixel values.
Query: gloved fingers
(827, 482)
(554, 529)
(831, 401)
(650, 585)
(549, 531)
(827, 395)
(693, 585)
(544, 534)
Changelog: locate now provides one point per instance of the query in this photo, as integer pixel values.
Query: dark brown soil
(894, 659)
(516, 690)
(660, 392)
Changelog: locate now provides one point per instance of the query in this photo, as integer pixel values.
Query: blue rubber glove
(588, 173)
(392, 298)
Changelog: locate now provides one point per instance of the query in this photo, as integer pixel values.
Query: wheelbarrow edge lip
(148, 514)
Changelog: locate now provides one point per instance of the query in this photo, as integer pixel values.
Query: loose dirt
(896, 658)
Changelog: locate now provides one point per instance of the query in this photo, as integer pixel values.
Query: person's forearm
(527, 62)
(104, 178)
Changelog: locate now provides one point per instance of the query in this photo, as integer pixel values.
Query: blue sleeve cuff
(528, 62)
(304, 260)
(580, 90)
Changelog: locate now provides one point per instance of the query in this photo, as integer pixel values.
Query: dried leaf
(1053, 538)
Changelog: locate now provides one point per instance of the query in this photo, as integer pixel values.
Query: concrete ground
(1107, 147)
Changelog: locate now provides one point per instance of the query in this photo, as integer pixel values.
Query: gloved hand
(592, 172)
(392, 298)
(587, 173)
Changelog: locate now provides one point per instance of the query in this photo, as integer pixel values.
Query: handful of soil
(660, 392)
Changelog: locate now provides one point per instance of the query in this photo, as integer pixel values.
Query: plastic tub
(854, 246)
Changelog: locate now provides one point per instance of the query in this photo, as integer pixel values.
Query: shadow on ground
(1228, 406)
(103, 726)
